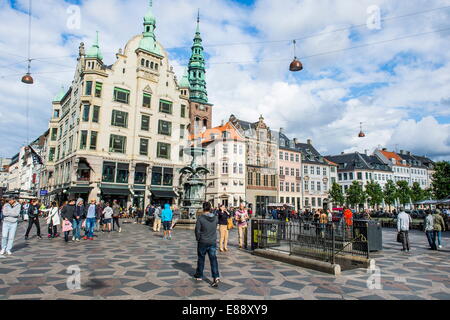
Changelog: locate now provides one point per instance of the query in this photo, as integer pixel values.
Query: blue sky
(399, 89)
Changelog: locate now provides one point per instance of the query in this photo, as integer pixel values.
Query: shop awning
(116, 192)
(79, 189)
(164, 194)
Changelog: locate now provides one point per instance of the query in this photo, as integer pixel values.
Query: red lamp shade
(296, 66)
(28, 79)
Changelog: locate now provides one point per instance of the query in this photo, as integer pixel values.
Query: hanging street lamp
(296, 65)
(361, 133)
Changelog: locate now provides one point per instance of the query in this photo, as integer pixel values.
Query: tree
(441, 180)
(355, 194)
(374, 193)
(417, 194)
(403, 192)
(336, 194)
(390, 191)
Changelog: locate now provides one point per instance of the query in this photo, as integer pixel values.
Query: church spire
(197, 68)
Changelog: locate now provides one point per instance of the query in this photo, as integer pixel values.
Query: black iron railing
(324, 242)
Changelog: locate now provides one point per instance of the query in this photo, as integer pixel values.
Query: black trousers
(405, 240)
(34, 221)
(52, 230)
(116, 221)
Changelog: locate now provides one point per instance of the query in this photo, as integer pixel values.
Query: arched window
(205, 122)
(142, 62)
(156, 66)
(147, 63)
(151, 65)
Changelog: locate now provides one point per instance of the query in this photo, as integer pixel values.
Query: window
(213, 168)
(56, 114)
(281, 155)
(94, 135)
(287, 186)
(88, 90)
(297, 173)
(306, 185)
(51, 155)
(292, 172)
(313, 185)
(297, 158)
(241, 168)
(121, 95)
(286, 156)
(143, 147)
(298, 187)
(225, 168)
(305, 170)
(165, 106)
(86, 110)
(54, 134)
(183, 111)
(345, 176)
(157, 176)
(325, 185)
(145, 123)
(258, 179)
(168, 177)
(273, 180)
(324, 171)
(163, 150)
(117, 144)
(119, 119)
(109, 170)
(235, 148)
(292, 157)
(319, 202)
(182, 129)
(98, 89)
(360, 175)
(286, 171)
(165, 128)
(266, 180)
(96, 114)
(313, 202)
(225, 148)
(318, 186)
(122, 173)
(250, 178)
(281, 171)
(83, 140)
(351, 175)
(140, 176)
(318, 171)
(311, 170)
(241, 149)
(235, 168)
(147, 100)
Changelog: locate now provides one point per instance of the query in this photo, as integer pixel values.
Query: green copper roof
(94, 51)
(148, 42)
(197, 69)
(60, 95)
(184, 83)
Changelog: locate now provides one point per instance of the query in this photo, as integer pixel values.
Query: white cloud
(320, 102)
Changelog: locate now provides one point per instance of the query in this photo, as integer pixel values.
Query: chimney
(309, 141)
(408, 153)
(342, 153)
(295, 141)
(223, 123)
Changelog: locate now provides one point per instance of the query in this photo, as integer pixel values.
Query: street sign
(43, 193)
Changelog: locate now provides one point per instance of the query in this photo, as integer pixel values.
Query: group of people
(434, 225)
(70, 217)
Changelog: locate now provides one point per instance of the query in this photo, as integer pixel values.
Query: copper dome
(296, 65)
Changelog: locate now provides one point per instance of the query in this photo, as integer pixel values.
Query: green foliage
(417, 194)
(355, 194)
(403, 192)
(374, 193)
(441, 180)
(389, 192)
(337, 195)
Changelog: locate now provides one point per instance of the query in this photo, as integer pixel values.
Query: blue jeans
(90, 225)
(8, 233)
(77, 228)
(211, 250)
(431, 239)
(437, 236)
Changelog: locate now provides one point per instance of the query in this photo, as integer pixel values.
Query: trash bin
(372, 231)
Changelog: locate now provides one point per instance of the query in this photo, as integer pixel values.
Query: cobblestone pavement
(139, 264)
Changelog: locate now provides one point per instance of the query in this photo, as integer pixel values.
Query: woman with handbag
(224, 226)
(53, 220)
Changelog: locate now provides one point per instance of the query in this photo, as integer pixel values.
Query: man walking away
(91, 218)
(439, 226)
(429, 230)
(166, 218)
(206, 235)
(68, 214)
(33, 218)
(11, 214)
(157, 222)
(403, 222)
(116, 215)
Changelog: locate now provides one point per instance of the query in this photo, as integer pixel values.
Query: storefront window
(168, 177)
(109, 170)
(156, 176)
(122, 173)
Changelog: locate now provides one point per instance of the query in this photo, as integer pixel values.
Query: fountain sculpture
(194, 177)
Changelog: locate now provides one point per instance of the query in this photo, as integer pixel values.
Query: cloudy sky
(395, 78)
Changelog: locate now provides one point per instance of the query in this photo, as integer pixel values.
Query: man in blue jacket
(166, 219)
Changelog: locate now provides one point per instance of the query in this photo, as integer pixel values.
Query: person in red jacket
(348, 216)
